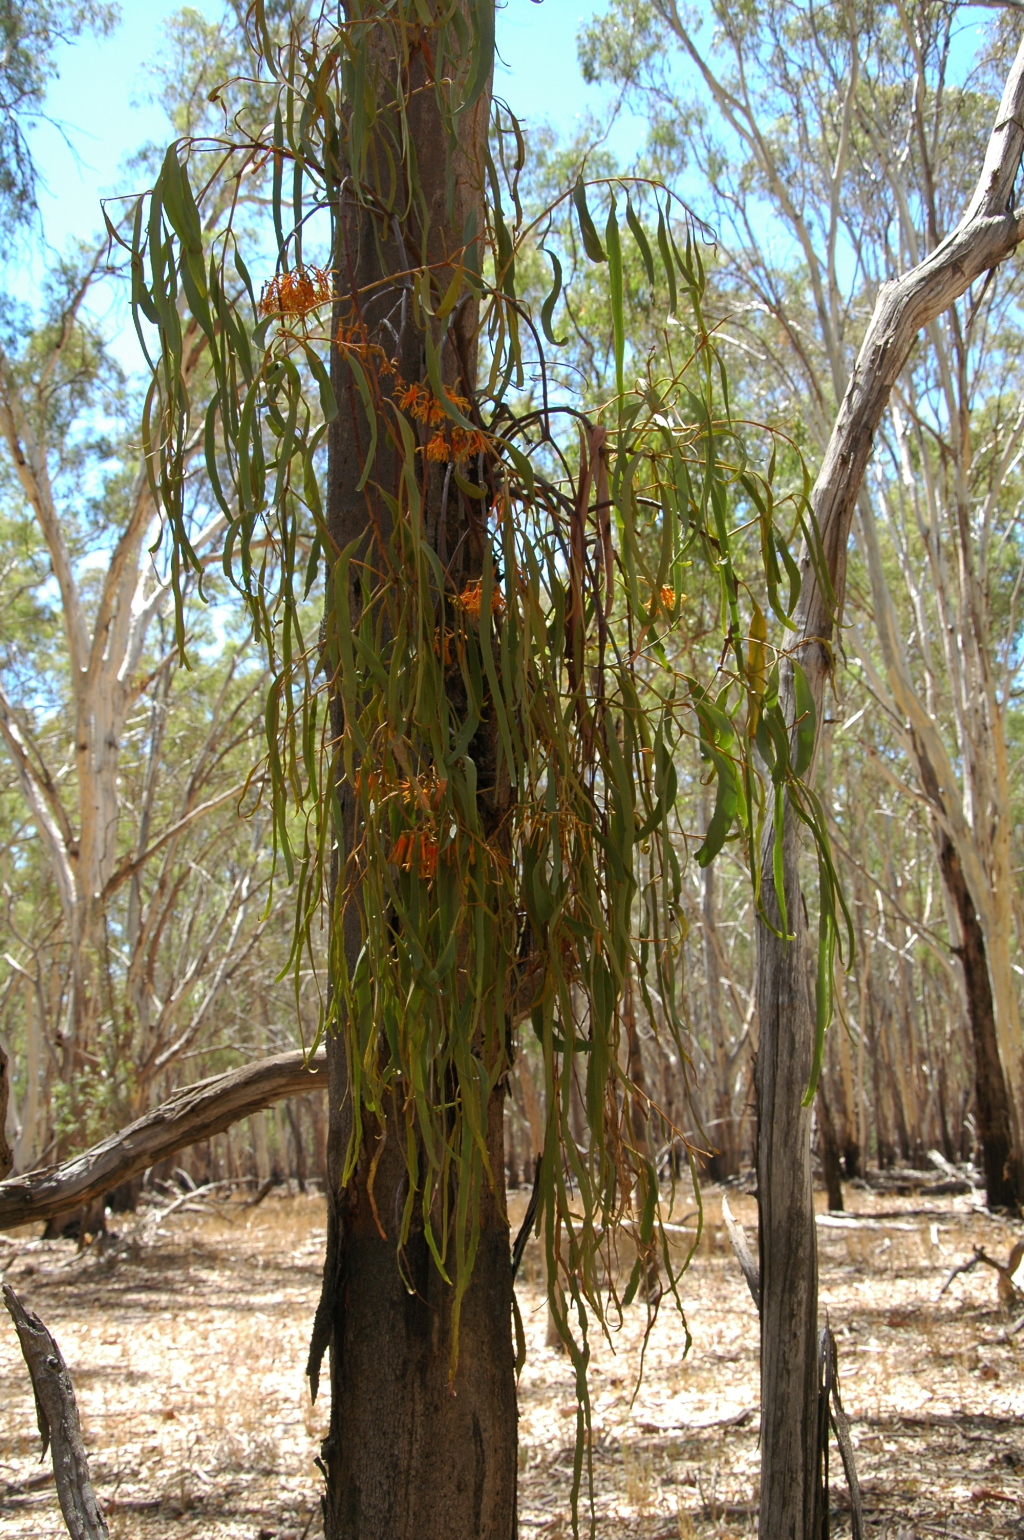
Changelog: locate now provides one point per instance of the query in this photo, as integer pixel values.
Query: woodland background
(146, 930)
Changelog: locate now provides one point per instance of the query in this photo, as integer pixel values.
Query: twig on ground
(852, 1222)
(255, 1201)
(154, 1221)
(57, 1417)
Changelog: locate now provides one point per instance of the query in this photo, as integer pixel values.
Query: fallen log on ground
(192, 1114)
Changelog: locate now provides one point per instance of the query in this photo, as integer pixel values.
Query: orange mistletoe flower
(352, 337)
(466, 445)
(428, 857)
(443, 646)
(425, 790)
(415, 399)
(471, 599)
(455, 444)
(295, 293)
(422, 405)
(668, 597)
(417, 851)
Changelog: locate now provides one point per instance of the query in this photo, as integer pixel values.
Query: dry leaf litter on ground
(187, 1345)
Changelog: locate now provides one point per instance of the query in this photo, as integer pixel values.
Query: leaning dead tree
(194, 1113)
(988, 232)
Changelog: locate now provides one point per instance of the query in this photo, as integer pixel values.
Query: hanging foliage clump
(482, 743)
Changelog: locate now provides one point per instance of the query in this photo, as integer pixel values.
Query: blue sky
(99, 99)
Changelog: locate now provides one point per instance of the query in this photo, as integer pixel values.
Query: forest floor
(187, 1343)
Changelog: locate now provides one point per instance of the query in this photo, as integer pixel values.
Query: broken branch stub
(830, 1411)
(57, 1416)
(738, 1237)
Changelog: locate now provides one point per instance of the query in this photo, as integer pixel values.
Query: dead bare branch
(57, 1416)
(194, 1113)
(982, 1256)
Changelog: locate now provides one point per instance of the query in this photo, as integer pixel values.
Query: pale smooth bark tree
(136, 893)
(134, 964)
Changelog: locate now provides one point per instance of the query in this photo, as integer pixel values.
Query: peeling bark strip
(57, 1416)
(831, 1413)
(988, 232)
(194, 1113)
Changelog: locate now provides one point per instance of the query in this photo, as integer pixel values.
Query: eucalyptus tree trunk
(723, 1131)
(417, 1449)
(987, 233)
(995, 1112)
(6, 1153)
(103, 653)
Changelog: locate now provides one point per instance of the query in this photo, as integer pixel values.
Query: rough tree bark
(6, 1153)
(988, 232)
(1002, 1164)
(411, 1454)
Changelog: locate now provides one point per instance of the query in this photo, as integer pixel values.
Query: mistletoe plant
(479, 752)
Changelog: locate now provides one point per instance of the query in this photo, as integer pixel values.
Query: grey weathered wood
(57, 1416)
(738, 1238)
(832, 1408)
(194, 1113)
(988, 232)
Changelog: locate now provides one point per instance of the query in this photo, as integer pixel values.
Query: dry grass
(187, 1353)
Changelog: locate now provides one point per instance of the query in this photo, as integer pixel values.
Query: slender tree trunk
(724, 1134)
(849, 1136)
(986, 890)
(637, 1073)
(786, 1238)
(533, 1109)
(885, 1117)
(27, 1140)
(1003, 1183)
(828, 1149)
(6, 1153)
(422, 1446)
